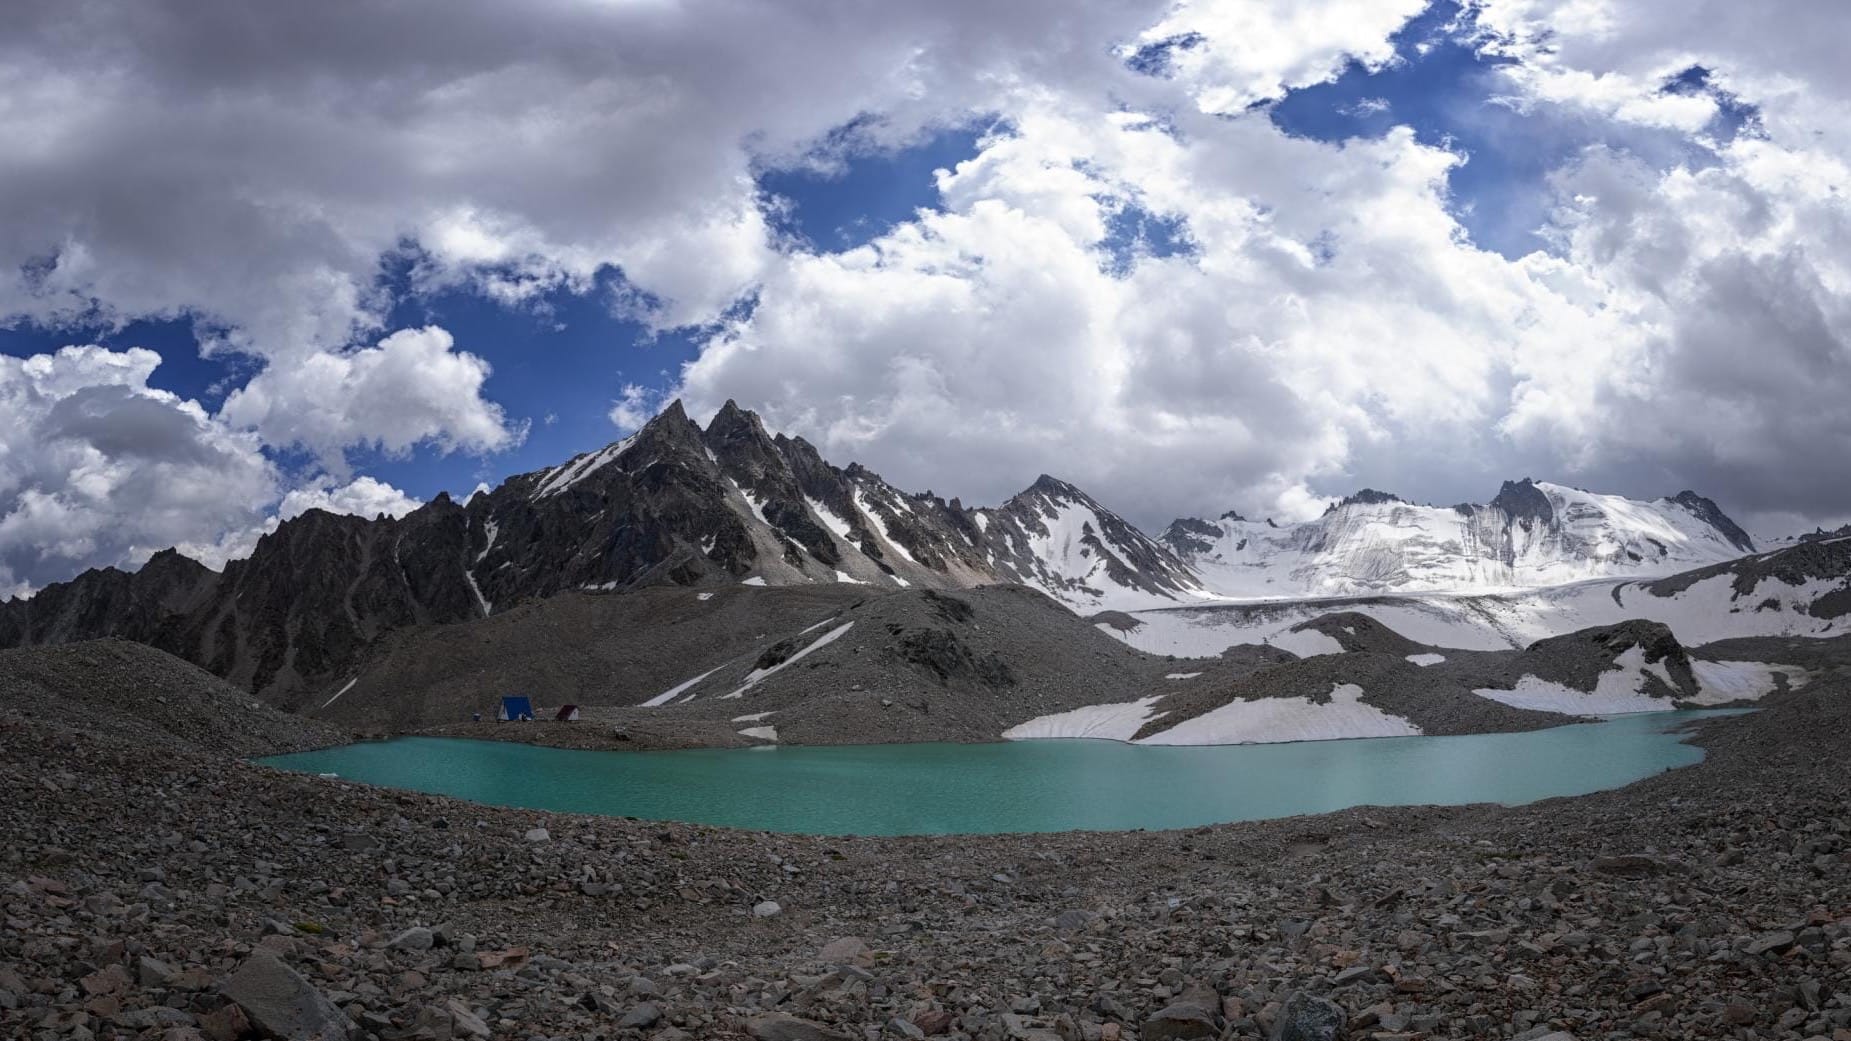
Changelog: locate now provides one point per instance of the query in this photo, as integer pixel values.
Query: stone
(226, 1024)
(778, 1026)
(416, 938)
(451, 1021)
(1181, 1021)
(766, 909)
(152, 972)
(845, 950)
(279, 1002)
(1307, 1018)
(641, 1017)
(1631, 865)
(1769, 943)
(538, 835)
(933, 1021)
(1073, 919)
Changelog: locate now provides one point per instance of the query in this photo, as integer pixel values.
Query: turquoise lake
(935, 789)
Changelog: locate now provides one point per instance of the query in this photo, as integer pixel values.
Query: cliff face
(671, 505)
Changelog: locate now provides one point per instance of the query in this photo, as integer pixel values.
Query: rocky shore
(180, 893)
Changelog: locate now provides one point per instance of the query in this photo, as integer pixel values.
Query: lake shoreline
(1461, 921)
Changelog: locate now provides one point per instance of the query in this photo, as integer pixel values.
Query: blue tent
(516, 708)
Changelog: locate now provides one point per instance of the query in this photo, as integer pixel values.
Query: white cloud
(1233, 53)
(520, 147)
(98, 468)
(1330, 320)
(633, 407)
(1711, 335)
(1330, 300)
(361, 497)
(413, 388)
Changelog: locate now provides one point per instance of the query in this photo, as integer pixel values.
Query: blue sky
(559, 363)
(562, 360)
(1634, 201)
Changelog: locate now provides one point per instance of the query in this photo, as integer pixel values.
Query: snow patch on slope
(1424, 660)
(1270, 720)
(1306, 643)
(1619, 689)
(565, 476)
(829, 517)
(669, 695)
(756, 675)
(1720, 682)
(1113, 722)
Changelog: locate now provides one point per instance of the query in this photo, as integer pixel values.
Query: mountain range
(678, 505)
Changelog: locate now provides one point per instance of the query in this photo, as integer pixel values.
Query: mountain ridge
(681, 505)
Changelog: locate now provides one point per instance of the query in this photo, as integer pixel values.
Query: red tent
(567, 713)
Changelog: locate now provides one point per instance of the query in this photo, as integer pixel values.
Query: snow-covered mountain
(733, 504)
(1531, 534)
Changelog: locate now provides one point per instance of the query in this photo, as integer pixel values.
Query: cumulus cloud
(1327, 300)
(1233, 53)
(1328, 319)
(361, 497)
(412, 388)
(1715, 333)
(98, 468)
(1332, 323)
(633, 407)
(252, 165)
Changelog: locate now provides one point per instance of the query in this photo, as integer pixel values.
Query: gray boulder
(280, 1003)
(776, 1026)
(1305, 1018)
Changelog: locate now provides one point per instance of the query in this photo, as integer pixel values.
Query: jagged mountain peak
(1364, 497)
(1049, 486)
(1707, 510)
(1523, 502)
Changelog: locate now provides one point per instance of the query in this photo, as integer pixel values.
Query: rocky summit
(680, 506)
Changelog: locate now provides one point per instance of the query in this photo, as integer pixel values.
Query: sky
(1191, 256)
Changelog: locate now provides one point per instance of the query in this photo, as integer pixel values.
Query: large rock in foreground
(281, 1004)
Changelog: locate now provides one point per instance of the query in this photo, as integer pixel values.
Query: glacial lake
(1020, 786)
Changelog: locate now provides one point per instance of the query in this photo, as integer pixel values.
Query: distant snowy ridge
(1532, 534)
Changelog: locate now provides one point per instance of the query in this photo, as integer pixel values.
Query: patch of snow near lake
(669, 695)
(755, 580)
(1720, 682)
(1306, 643)
(1271, 720)
(338, 693)
(703, 596)
(901, 582)
(1181, 675)
(1617, 690)
(753, 718)
(1114, 722)
(1424, 660)
(843, 576)
(756, 675)
(761, 733)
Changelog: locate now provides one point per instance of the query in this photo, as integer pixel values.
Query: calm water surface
(1020, 786)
